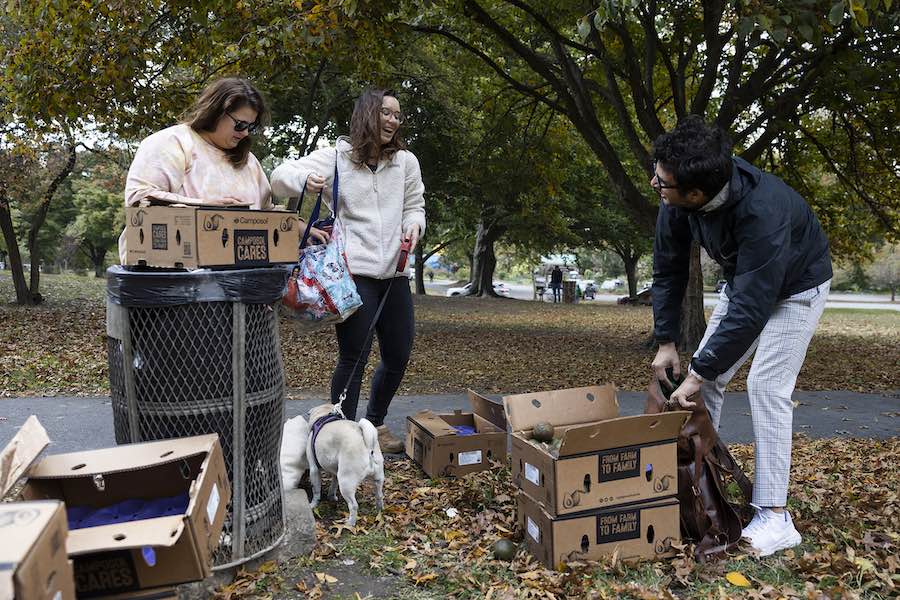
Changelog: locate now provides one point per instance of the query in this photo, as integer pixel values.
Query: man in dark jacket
(778, 270)
(556, 279)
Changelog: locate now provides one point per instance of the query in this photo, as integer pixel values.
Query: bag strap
(314, 216)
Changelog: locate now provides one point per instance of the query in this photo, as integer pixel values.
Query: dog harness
(317, 426)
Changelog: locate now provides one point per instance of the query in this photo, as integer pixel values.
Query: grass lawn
(490, 345)
(844, 492)
(843, 498)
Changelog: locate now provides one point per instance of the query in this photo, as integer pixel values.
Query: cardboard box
(433, 443)
(33, 560)
(645, 529)
(190, 237)
(603, 459)
(140, 554)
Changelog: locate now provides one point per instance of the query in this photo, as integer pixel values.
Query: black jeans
(395, 329)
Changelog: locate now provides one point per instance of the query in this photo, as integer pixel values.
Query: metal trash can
(198, 352)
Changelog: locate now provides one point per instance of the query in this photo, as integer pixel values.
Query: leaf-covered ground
(490, 345)
(843, 497)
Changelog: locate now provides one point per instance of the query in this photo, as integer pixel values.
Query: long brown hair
(365, 128)
(226, 95)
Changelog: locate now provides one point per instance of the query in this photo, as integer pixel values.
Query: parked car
(720, 284)
(501, 289)
(642, 298)
(611, 284)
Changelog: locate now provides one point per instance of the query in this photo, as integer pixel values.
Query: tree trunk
(98, 257)
(693, 319)
(420, 268)
(484, 260)
(15, 259)
(630, 261)
(38, 221)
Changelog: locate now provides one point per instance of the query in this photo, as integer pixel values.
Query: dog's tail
(370, 435)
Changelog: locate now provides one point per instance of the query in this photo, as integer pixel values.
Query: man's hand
(666, 357)
(412, 234)
(689, 387)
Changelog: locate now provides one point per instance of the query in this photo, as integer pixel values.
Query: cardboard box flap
(561, 407)
(433, 424)
(21, 451)
(129, 457)
(622, 431)
(22, 523)
(487, 409)
(161, 531)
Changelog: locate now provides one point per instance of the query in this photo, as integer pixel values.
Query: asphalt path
(835, 299)
(85, 423)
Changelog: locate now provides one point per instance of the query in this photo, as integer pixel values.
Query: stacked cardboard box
(190, 237)
(434, 441)
(142, 519)
(605, 484)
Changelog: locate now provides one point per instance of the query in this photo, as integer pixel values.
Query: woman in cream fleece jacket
(380, 203)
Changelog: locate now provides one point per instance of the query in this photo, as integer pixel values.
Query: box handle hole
(584, 543)
(490, 453)
(165, 454)
(587, 483)
(648, 471)
(81, 466)
(650, 534)
(654, 424)
(590, 397)
(536, 403)
(119, 537)
(451, 457)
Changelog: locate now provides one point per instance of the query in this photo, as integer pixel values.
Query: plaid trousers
(780, 351)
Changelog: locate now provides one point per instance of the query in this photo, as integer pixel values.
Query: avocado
(542, 432)
(504, 549)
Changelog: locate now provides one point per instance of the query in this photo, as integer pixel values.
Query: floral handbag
(320, 290)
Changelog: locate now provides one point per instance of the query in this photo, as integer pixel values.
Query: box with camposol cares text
(192, 237)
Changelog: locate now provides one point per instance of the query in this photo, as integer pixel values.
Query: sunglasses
(239, 125)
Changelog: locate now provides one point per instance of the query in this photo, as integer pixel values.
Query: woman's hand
(314, 183)
(412, 234)
(229, 201)
(320, 237)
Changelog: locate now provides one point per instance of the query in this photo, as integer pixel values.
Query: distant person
(556, 278)
(430, 276)
(777, 268)
(380, 202)
(206, 159)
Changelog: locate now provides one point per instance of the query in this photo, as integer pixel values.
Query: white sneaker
(755, 524)
(770, 532)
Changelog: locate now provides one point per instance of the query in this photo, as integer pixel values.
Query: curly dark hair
(219, 97)
(365, 128)
(697, 154)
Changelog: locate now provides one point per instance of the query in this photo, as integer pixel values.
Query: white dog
(293, 452)
(348, 450)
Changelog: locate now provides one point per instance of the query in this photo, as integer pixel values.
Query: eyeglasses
(239, 125)
(658, 183)
(386, 112)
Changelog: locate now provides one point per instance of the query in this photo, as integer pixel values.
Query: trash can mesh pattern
(181, 361)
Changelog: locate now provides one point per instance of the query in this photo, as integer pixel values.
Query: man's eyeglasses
(239, 125)
(658, 183)
(386, 112)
